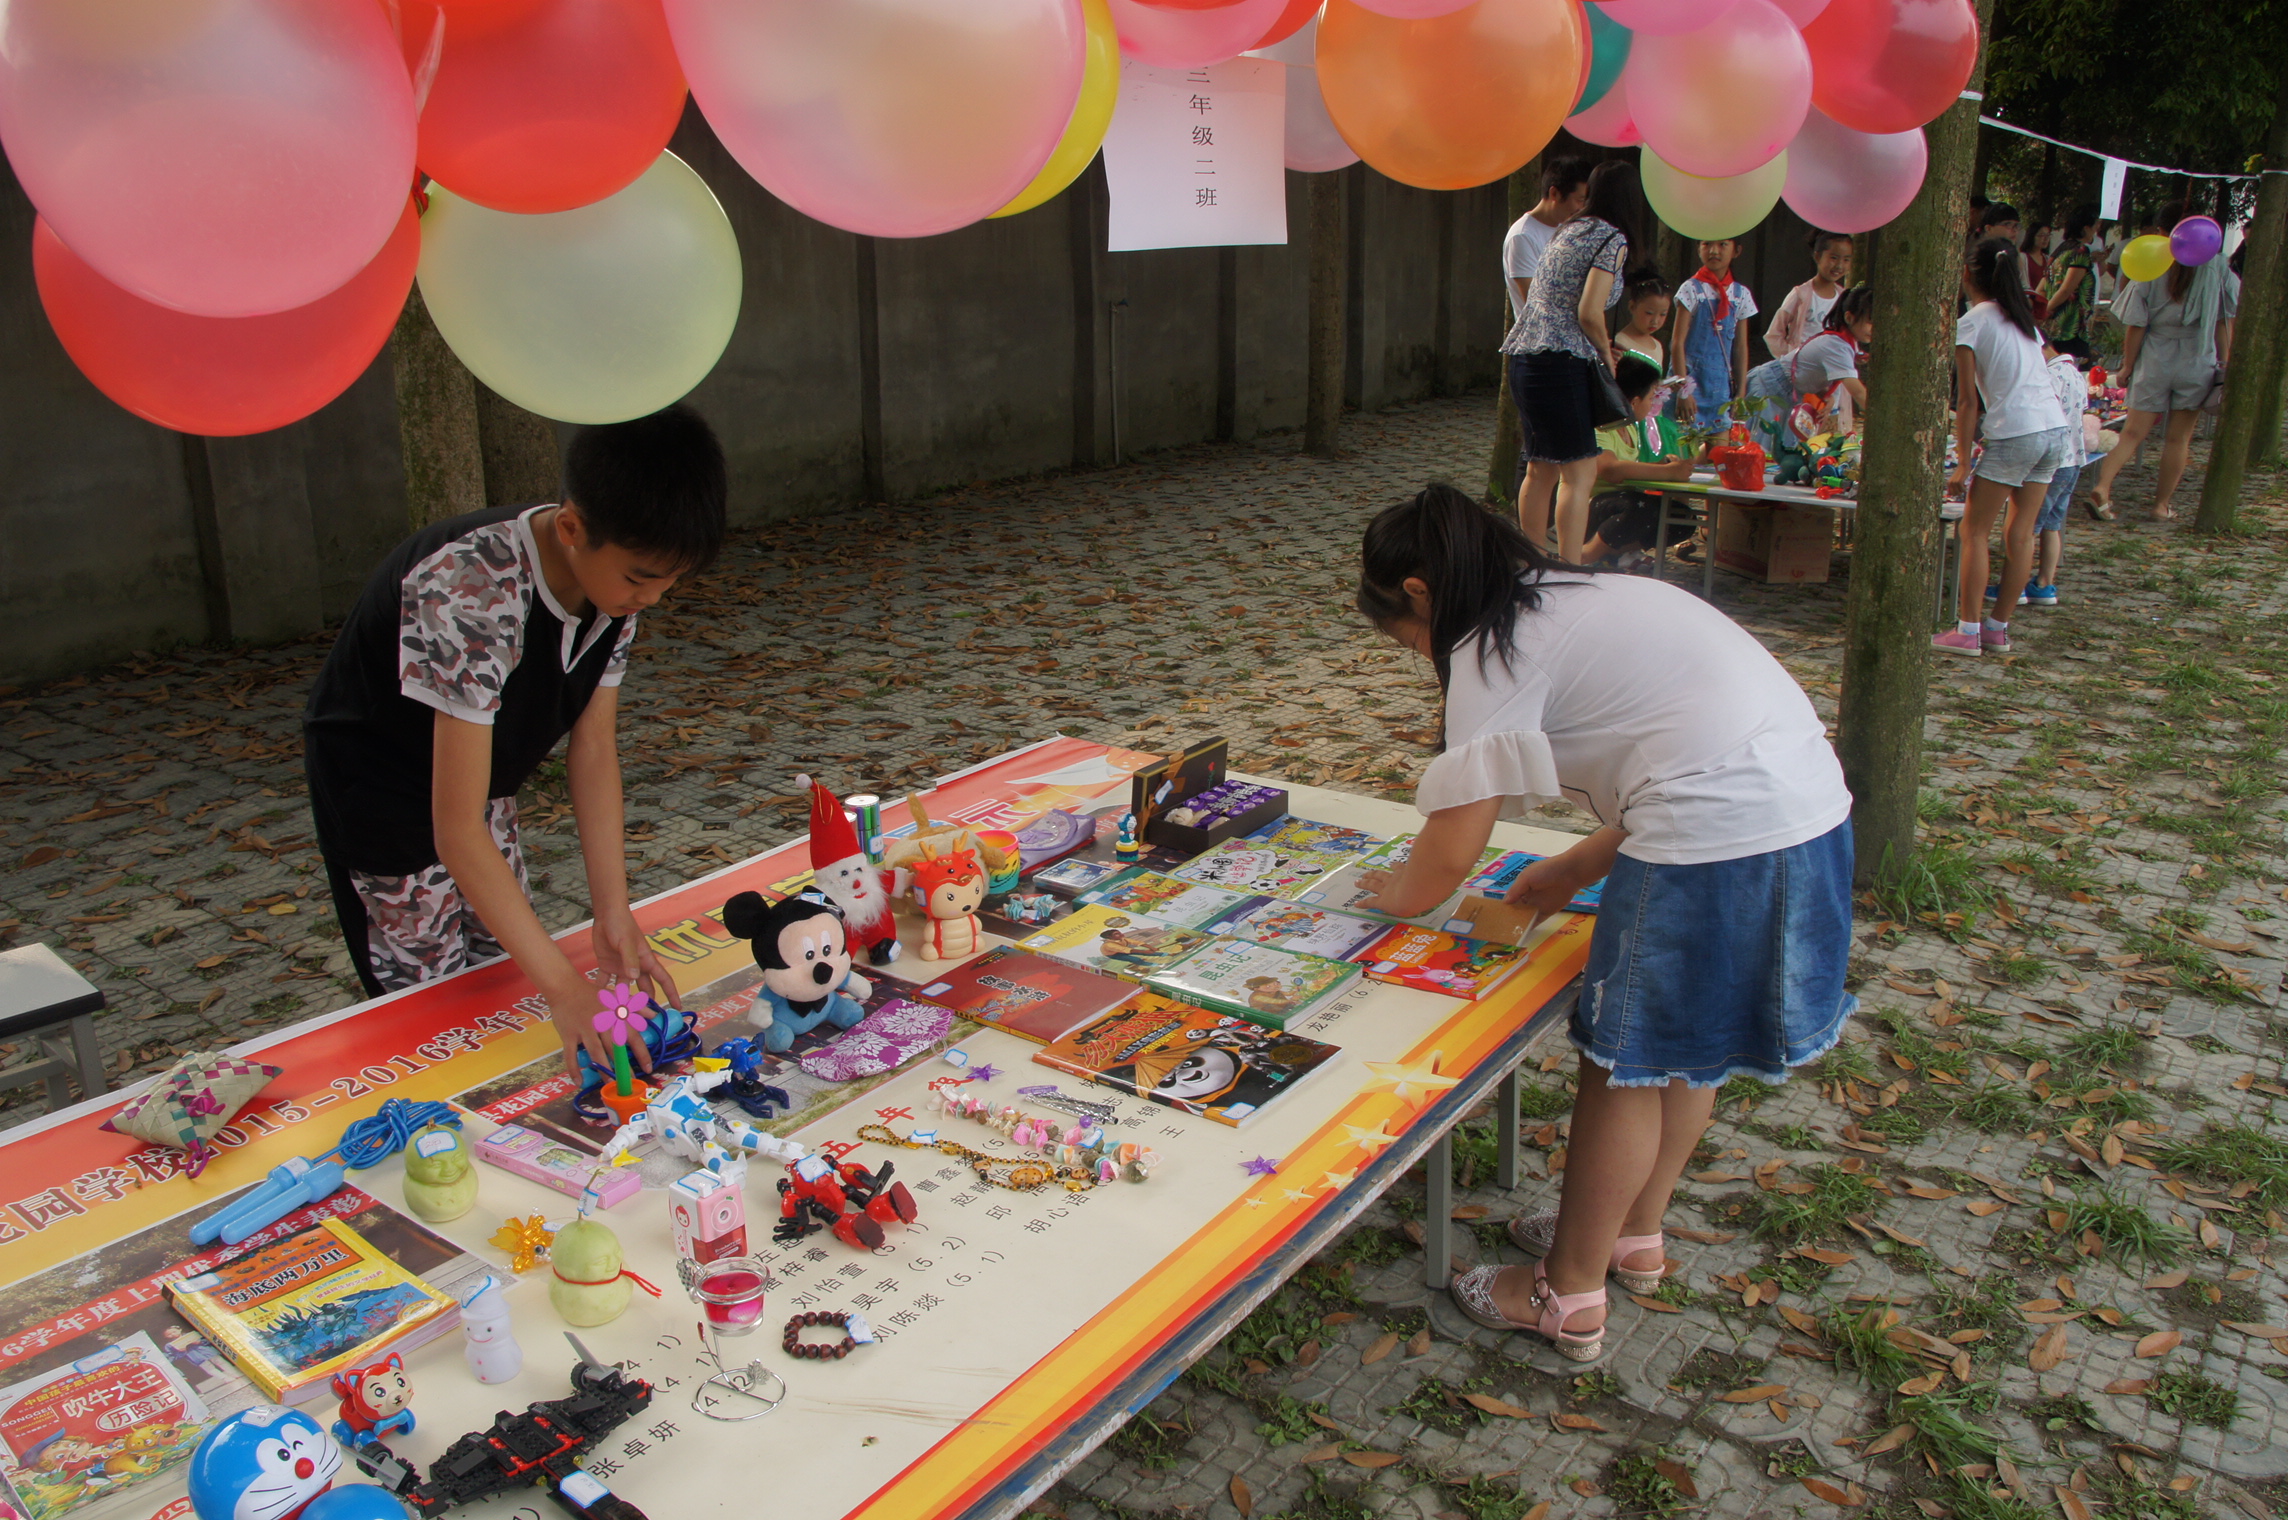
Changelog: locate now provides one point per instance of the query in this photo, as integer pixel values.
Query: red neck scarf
(1723, 287)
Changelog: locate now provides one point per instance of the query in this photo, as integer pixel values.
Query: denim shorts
(2059, 501)
(1553, 405)
(2030, 459)
(1706, 972)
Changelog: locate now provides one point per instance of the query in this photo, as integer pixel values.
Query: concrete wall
(862, 369)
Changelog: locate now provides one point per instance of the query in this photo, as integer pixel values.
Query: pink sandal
(1474, 1291)
(1537, 1232)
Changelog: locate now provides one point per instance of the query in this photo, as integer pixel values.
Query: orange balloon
(1456, 100)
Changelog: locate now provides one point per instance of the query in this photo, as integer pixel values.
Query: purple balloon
(2196, 240)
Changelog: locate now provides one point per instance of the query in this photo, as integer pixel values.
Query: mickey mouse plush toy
(804, 950)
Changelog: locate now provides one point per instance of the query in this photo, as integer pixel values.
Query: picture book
(293, 1313)
(1497, 876)
(1345, 892)
(1207, 1064)
(1292, 833)
(1073, 875)
(1486, 918)
(1168, 781)
(1115, 942)
(1257, 982)
(1300, 926)
(1186, 904)
(1035, 997)
(1434, 961)
(117, 1415)
(1249, 865)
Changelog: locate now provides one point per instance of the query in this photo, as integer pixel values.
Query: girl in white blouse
(1724, 843)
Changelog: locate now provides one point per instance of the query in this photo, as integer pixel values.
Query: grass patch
(1440, 1405)
(1590, 1386)
(1152, 1442)
(2127, 1230)
(1640, 1486)
(1846, 1061)
(1543, 1103)
(2114, 1045)
(1714, 1369)
(1743, 1090)
(1819, 1214)
(1990, 1303)
(2063, 1412)
(2195, 1399)
(1993, 1108)
(1941, 884)
(1287, 1422)
(1484, 1498)
(1372, 1246)
(2230, 1154)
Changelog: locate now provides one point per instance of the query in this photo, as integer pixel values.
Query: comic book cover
(1198, 1062)
(1186, 904)
(1076, 876)
(1497, 876)
(1035, 997)
(1438, 962)
(1247, 864)
(1292, 833)
(96, 1426)
(1256, 982)
(293, 1313)
(1115, 942)
(1300, 926)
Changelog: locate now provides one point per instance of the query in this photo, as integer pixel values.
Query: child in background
(1826, 366)
(1803, 315)
(2002, 381)
(2072, 387)
(1645, 308)
(1711, 341)
(1648, 447)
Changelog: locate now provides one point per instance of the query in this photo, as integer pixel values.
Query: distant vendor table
(1675, 494)
(1019, 1330)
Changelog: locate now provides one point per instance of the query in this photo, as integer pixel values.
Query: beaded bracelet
(819, 1350)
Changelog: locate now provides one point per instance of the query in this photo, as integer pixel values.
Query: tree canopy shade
(2186, 83)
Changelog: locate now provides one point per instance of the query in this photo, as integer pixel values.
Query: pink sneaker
(1955, 641)
(1998, 643)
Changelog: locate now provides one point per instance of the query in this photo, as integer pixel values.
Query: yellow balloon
(2147, 258)
(1092, 113)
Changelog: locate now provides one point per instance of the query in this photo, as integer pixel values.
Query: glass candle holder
(729, 1292)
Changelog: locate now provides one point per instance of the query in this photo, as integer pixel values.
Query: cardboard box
(1775, 544)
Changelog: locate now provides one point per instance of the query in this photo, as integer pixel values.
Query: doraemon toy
(263, 1463)
(804, 950)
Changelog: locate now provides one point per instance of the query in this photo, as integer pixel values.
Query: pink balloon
(1172, 37)
(1840, 180)
(1414, 10)
(1314, 144)
(1609, 123)
(1661, 18)
(894, 118)
(1725, 99)
(1888, 65)
(224, 159)
(1801, 12)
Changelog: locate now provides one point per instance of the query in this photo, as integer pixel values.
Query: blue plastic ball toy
(266, 1463)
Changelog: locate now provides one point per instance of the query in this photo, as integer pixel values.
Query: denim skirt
(1705, 972)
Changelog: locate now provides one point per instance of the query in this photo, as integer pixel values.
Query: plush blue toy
(264, 1463)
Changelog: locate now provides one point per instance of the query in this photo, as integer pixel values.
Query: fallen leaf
(1567, 1420)
(2159, 1343)
(1965, 1337)
(1586, 1487)
(2049, 1350)
(1984, 1206)
(1704, 1237)
(2128, 1385)
(1824, 1258)
(1680, 1475)
(2042, 1305)
(2009, 1472)
(1326, 1453)
(1307, 1354)
(2261, 1332)
(1340, 1317)
(1372, 1458)
(1657, 1306)
(2076, 1507)
(1242, 1496)
(1914, 1387)
(1917, 1190)
(1713, 1176)
(1754, 1395)
(1802, 1321)
(1901, 1236)
(1420, 1345)
(1823, 1489)
(1325, 1422)
(1502, 1407)
(1471, 1211)
(1889, 1440)
(1256, 1366)
(2174, 1279)
(1383, 1346)
(1538, 1512)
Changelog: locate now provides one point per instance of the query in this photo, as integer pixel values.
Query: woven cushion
(197, 1096)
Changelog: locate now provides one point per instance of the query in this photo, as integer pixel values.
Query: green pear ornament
(588, 1283)
(440, 1174)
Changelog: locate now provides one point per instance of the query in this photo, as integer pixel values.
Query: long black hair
(1993, 269)
(1617, 198)
(1850, 305)
(1480, 567)
(2081, 223)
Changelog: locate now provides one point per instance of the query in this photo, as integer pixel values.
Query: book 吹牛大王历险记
(1191, 1059)
(96, 1426)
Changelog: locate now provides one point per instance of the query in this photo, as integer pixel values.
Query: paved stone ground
(2047, 1145)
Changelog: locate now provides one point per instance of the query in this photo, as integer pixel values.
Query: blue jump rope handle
(307, 1179)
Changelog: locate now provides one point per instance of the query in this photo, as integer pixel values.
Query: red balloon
(1290, 21)
(543, 105)
(1890, 65)
(223, 376)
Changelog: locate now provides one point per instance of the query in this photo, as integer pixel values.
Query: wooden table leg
(1438, 1215)
(1508, 1096)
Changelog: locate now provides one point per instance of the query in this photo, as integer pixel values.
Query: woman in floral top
(1564, 337)
(2070, 291)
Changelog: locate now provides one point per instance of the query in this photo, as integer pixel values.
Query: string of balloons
(236, 197)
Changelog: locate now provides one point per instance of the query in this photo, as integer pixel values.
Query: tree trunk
(2264, 449)
(436, 420)
(1982, 161)
(2256, 343)
(521, 463)
(1330, 282)
(1886, 651)
(2046, 189)
(1501, 465)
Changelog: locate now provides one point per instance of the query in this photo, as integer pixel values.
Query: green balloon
(1608, 50)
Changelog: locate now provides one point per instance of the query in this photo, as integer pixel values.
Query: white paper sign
(1196, 157)
(2109, 198)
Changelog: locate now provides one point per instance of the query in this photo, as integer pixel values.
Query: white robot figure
(681, 1119)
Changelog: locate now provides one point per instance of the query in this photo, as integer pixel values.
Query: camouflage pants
(420, 927)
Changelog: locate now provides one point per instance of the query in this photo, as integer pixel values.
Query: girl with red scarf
(1711, 343)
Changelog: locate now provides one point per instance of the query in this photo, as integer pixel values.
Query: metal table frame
(1430, 1140)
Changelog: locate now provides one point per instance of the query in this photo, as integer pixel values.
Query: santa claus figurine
(852, 882)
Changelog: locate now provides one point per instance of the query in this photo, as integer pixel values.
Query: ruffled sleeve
(1515, 765)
